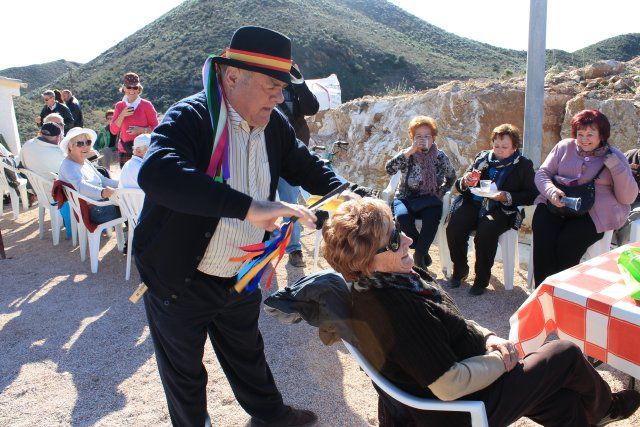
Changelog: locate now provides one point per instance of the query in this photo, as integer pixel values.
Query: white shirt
(249, 173)
(129, 173)
(41, 157)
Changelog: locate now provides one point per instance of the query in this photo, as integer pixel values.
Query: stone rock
(467, 111)
(603, 68)
(624, 84)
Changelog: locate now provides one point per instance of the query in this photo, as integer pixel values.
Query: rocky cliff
(467, 111)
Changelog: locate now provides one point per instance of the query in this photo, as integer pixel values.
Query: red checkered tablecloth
(588, 304)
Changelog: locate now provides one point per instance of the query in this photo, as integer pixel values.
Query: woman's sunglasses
(394, 240)
(86, 143)
(133, 87)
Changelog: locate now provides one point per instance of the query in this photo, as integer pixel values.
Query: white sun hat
(64, 144)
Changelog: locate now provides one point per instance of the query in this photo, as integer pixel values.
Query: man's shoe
(295, 258)
(427, 260)
(476, 290)
(457, 277)
(293, 417)
(623, 404)
(418, 259)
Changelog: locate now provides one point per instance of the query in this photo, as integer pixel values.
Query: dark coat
(520, 183)
(64, 111)
(76, 112)
(299, 101)
(183, 205)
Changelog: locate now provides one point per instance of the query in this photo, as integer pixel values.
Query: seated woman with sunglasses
(410, 329)
(83, 176)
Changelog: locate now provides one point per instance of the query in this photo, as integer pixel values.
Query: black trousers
(559, 243)
(554, 386)
(179, 329)
(488, 229)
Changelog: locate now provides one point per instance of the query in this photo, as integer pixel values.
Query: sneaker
(293, 417)
(623, 404)
(295, 258)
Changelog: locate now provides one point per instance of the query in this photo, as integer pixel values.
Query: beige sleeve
(484, 331)
(468, 376)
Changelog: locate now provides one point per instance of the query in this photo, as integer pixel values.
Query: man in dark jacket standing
(53, 106)
(298, 102)
(74, 106)
(210, 178)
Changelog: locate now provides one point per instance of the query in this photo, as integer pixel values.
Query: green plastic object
(629, 266)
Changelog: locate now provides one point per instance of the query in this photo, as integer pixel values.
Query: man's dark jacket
(298, 102)
(76, 111)
(183, 205)
(61, 109)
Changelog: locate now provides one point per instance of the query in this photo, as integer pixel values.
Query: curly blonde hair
(418, 121)
(353, 235)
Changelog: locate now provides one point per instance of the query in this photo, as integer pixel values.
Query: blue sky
(92, 27)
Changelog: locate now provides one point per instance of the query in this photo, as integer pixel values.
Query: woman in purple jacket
(560, 239)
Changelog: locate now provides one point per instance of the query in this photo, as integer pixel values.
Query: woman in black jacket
(492, 213)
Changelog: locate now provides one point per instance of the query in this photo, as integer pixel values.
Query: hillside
(38, 75)
(371, 45)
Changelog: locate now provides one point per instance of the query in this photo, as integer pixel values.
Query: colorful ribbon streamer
(218, 167)
(260, 255)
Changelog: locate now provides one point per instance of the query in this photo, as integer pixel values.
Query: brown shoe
(623, 404)
(295, 258)
(293, 417)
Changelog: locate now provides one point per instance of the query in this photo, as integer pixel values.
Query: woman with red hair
(584, 167)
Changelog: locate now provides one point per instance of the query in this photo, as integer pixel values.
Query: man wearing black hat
(210, 178)
(42, 154)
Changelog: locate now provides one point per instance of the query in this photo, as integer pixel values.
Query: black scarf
(411, 282)
(502, 170)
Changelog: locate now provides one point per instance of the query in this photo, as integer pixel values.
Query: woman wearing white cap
(80, 173)
(129, 174)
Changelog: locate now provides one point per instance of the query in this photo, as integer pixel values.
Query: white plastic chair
(93, 238)
(634, 233)
(42, 187)
(598, 248)
(130, 201)
(13, 194)
(475, 408)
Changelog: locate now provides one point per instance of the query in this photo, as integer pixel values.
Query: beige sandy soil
(75, 351)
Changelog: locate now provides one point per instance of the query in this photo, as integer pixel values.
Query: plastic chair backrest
(74, 203)
(130, 201)
(475, 408)
(40, 185)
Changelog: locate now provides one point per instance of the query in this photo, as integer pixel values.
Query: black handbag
(420, 203)
(585, 192)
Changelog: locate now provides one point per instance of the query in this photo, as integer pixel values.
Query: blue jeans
(102, 214)
(430, 220)
(289, 194)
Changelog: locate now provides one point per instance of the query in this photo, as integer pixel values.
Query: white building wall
(8, 125)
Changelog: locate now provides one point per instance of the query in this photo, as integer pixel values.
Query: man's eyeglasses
(46, 99)
(86, 143)
(133, 87)
(394, 240)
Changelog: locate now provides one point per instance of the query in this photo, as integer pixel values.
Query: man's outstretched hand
(265, 214)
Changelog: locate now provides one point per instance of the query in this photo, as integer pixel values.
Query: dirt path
(76, 352)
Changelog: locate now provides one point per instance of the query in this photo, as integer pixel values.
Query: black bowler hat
(261, 50)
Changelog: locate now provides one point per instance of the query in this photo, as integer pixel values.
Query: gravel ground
(75, 351)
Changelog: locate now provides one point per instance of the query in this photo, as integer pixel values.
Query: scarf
(218, 167)
(600, 150)
(498, 170)
(427, 163)
(410, 282)
(133, 104)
